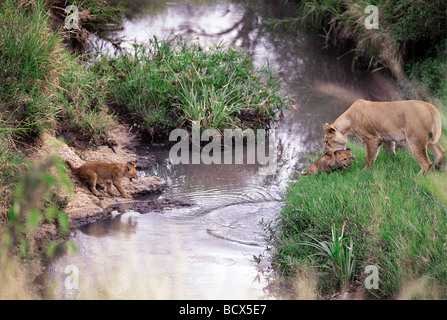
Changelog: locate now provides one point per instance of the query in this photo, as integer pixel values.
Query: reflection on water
(207, 251)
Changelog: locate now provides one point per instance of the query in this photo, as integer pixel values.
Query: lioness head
(333, 139)
(343, 158)
(130, 171)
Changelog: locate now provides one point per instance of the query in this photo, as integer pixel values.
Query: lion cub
(330, 162)
(97, 172)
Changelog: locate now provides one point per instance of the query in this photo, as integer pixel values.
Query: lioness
(418, 122)
(97, 172)
(330, 162)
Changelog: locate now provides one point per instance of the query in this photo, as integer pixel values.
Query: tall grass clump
(42, 86)
(393, 220)
(338, 251)
(83, 95)
(31, 58)
(171, 83)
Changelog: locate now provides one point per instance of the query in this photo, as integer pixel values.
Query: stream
(210, 250)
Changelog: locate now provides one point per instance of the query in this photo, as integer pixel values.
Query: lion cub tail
(71, 166)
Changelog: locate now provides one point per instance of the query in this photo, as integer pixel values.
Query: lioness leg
(372, 149)
(390, 147)
(439, 152)
(419, 150)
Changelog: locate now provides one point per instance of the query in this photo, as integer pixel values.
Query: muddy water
(207, 251)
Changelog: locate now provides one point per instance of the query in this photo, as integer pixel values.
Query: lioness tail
(435, 134)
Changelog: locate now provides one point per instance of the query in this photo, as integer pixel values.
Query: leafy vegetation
(32, 203)
(340, 259)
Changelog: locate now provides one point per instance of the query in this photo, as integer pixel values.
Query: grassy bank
(391, 217)
(394, 220)
(167, 84)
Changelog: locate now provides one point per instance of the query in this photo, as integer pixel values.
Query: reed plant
(339, 255)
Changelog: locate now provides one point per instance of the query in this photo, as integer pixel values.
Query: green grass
(83, 96)
(30, 60)
(171, 83)
(393, 220)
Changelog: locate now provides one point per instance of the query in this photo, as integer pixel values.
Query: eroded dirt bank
(82, 206)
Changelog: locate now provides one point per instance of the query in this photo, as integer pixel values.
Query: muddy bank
(82, 206)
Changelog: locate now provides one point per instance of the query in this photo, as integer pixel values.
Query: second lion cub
(96, 172)
(330, 162)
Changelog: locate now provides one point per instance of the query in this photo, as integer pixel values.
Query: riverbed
(215, 249)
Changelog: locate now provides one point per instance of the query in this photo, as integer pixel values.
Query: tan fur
(96, 172)
(330, 162)
(417, 122)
